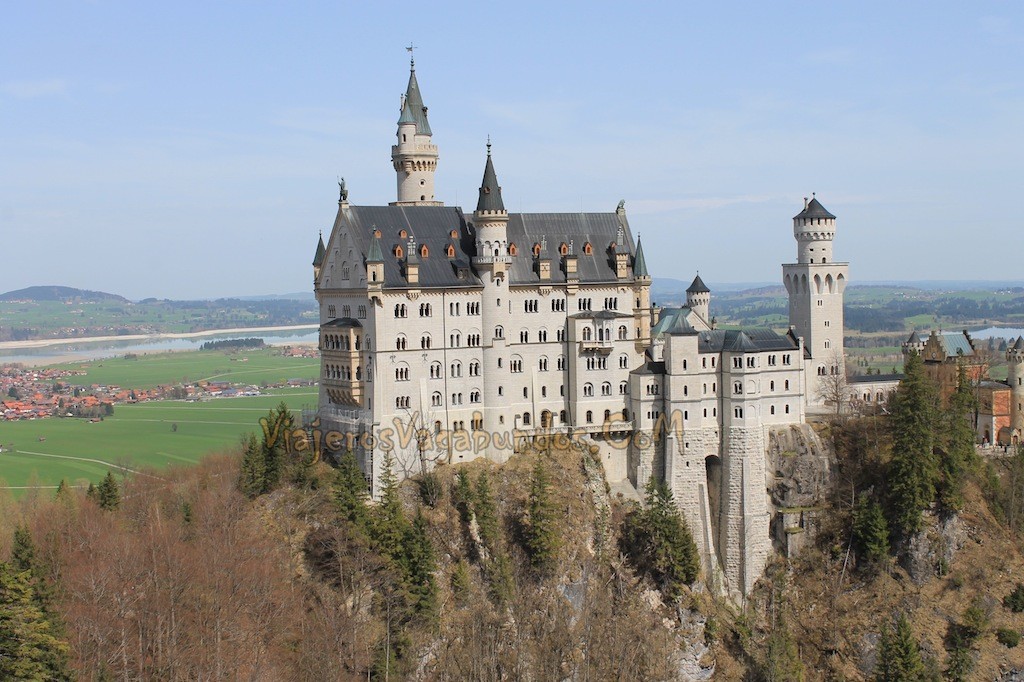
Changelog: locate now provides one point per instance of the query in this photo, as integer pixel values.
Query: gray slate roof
(599, 229)
(490, 192)
(753, 339)
(432, 226)
(814, 209)
(414, 102)
(343, 322)
(955, 343)
(874, 378)
(698, 287)
(318, 257)
(639, 262)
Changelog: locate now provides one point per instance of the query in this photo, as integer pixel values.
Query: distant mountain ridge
(58, 293)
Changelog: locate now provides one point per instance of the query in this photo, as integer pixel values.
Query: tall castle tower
(1015, 377)
(490, 220)
(415, 156)
(698, 299)
(816, 284)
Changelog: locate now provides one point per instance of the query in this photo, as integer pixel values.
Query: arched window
(586, 333)
(435, 399)
(623, 332)
(526, 418)
(456, 369)
(400, 342)
(450, 251)
(606, 388)
(588, 390)
(436, 371)
(499, 332)
(623, 388)
(590, 417)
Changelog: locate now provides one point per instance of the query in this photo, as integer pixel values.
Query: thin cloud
(30, 89)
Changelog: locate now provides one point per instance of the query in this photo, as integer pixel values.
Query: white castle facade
(447, 336)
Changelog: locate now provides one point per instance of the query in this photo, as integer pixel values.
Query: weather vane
(412, 57)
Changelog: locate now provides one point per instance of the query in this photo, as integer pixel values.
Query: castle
(447, 336)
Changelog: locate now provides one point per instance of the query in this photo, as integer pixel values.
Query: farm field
(42, 452)
(149, 370)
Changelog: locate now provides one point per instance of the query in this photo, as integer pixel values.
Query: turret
(543, 261)
(491, 222)
(815, 284)
(814, 229)
(698, 298)
(318, 259)
(415, 156)
(642, 312)
(1015, 377)
(412, 262)
(621, 255)
(375, 263)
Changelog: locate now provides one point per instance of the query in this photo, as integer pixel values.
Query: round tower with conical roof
(816, 284)
(698, 298)
(491, 262)
(415, 155)
(1015, 377)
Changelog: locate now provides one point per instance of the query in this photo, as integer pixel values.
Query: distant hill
(55, 293)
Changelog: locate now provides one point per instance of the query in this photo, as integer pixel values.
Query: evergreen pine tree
(913, 470)
(280, 424)
(23, 551)
(782, 662)
(420, 563)
(486, 511)
(63, 494)
(899, 655)
(389, 524)
(108, 494)
(541, 528)
(350, 490)
(252, 472)
(957, 453)
(90, 492)
(658, 541)
(30, 648)
(870, 531)
(462, 495)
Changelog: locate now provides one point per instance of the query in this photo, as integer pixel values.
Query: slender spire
(321, 251)
(639, 263)
(490, 191)
(414, 104)
(375, 255)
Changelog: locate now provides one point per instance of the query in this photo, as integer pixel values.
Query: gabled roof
(698, 287)
(814, 209)
(318, 258)
(955, 344)
(639, 263)
(490, 191)
(752, 339)
(414, 102)
(432, 226)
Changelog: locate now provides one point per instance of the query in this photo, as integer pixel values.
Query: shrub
(1007, 637)
(1015, 600)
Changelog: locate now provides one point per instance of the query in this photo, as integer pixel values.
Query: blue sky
(192, 149)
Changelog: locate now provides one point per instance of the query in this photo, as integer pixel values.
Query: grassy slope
(137, 435)
(248, 366)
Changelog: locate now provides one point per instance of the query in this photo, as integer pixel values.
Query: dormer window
(424, 252)
(403, 234)
(536, 250)
(563, 249)
(454, 234)
(451, 251)
(398, 251)
(513, 250)
(588, 249)
(376, 233)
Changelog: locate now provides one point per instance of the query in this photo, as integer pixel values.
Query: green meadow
(149, 370)
(144, 435)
